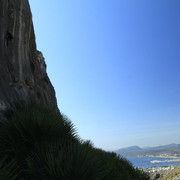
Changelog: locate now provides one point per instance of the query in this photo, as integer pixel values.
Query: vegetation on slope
(38, 143)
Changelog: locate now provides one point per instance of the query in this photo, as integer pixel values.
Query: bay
(143, 162)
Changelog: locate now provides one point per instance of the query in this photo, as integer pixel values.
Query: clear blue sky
(115, 66)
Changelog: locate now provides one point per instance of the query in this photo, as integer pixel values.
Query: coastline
(164, 172)
(161, 167)
(152, 161)
(163, 156)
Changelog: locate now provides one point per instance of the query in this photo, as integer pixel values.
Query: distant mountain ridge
(165, 150)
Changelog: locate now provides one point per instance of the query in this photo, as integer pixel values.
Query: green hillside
(38, 143)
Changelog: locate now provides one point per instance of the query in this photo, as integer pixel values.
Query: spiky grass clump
(45, 146)
(30, 125)
(10, 170)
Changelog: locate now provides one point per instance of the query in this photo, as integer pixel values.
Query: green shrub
(45, 146)
(8, 171)
(31, 125)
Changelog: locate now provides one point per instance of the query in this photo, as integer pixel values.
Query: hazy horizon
(144, 146)
(115, 67)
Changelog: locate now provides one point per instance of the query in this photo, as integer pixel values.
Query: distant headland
(170, 150)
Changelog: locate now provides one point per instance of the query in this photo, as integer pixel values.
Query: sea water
(143, 162)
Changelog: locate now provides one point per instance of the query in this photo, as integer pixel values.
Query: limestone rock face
(22, 68)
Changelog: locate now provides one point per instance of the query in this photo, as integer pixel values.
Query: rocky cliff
(22, 68)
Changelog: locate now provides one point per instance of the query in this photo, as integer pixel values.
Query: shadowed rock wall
(22, 68)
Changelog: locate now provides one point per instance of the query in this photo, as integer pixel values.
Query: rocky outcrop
(22, 68)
